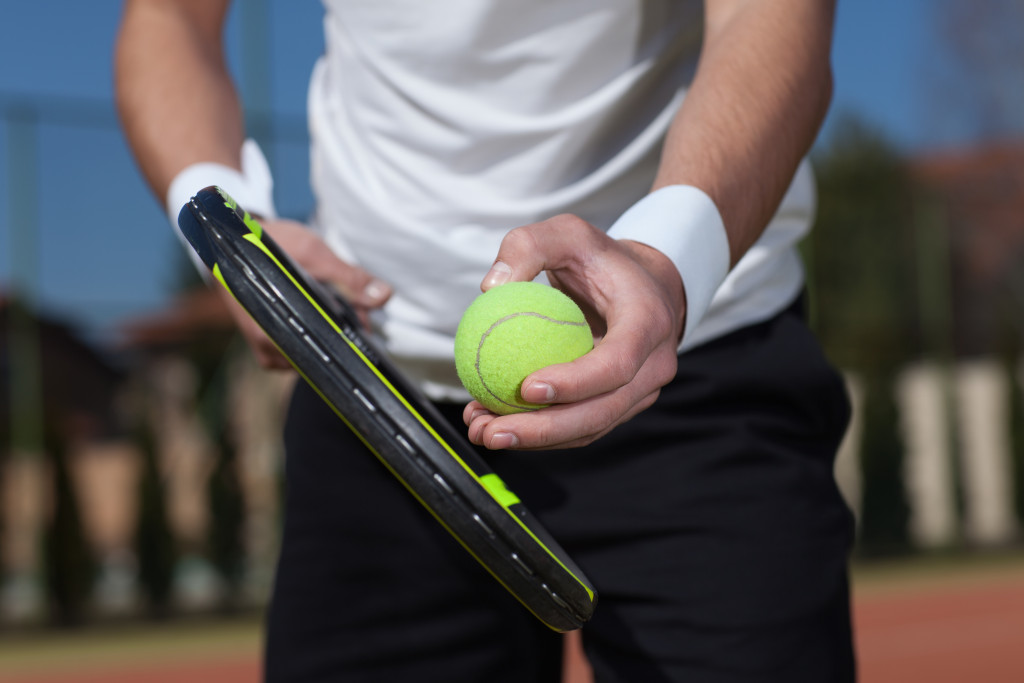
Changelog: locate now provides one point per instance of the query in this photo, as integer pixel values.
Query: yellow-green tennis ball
(511, 331)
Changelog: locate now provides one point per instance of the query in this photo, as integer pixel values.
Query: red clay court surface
(951, 623)
(246, 669)
(969, 630)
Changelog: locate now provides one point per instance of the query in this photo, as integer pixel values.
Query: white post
(926, 468)
(983, 392)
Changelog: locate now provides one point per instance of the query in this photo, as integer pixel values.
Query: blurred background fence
(140, 461)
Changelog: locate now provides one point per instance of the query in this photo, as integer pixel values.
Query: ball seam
(487, 332)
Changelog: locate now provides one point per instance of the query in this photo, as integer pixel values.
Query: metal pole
(23, 596)
(26, 392)
(255, 74)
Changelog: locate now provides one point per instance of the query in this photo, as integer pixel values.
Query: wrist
(252, 187)
(684, 224)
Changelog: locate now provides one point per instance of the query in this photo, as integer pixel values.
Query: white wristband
(252, 188)
(683, 223)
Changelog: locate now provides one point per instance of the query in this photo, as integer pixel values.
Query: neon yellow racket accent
(249, 221)
(493, 483)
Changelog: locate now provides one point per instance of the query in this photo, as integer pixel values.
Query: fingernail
(539, 392)
(503, 440)
(477, 413)
(376, 290)
(499, 274)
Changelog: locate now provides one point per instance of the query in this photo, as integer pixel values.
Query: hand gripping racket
(321, 336)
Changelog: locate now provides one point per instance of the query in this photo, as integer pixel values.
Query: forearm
(174, 95)
(761, 92)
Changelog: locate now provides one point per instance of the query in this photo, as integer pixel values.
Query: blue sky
(96, 266)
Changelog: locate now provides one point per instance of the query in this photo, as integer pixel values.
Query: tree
(861, 275)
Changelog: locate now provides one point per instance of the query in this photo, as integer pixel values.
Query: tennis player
(647, 157)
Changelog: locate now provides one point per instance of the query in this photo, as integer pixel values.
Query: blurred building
(960, 411)
(979, 192)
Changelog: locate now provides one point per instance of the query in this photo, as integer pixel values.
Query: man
(650, 155)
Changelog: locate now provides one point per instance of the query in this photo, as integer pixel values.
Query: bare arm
(753, 110)
(178, 106)
(175, 97)
(761, 91)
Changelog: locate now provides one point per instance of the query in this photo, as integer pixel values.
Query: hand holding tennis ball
(511, 331)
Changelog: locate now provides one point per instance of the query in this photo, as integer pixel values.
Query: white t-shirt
(438, 127)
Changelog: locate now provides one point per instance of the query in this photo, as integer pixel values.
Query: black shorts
(710, 525)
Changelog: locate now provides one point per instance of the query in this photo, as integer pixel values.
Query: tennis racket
(323, 339)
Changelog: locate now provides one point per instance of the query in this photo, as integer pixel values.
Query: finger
(476, 418)
(263, 349)
(358, 286)
(561, 426)
(362, 289)
(270, 358)
(616, 361)
(573, 424)
(530, 249)
(605, 369)
(266, 352)
(475, 430)
(546, 428)
(473, 410)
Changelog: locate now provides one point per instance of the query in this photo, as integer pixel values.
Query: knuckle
(578, 229)
(601, 420)
(669, 369)
(660, 320)
(520, 239)
(545, 434)
(570, 221)
(604, 418)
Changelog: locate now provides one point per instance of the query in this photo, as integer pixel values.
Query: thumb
(360, 287)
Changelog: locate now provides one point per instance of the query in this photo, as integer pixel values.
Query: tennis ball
(509, 332)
